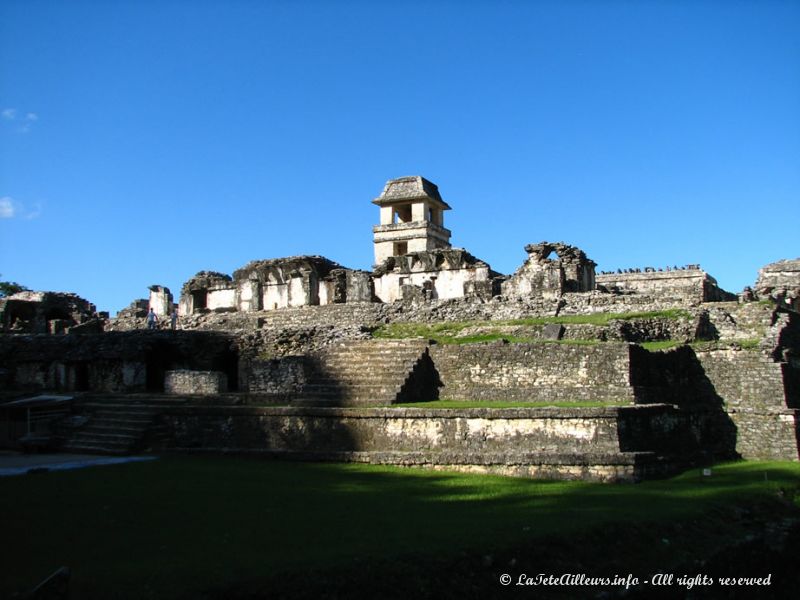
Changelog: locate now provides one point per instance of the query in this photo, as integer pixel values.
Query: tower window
(402, 214)
(400, 248)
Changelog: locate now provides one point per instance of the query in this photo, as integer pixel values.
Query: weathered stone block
(195, 382)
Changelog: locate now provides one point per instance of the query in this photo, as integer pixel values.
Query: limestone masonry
(608, 376)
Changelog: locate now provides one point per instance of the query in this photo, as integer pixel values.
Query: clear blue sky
(141, 142)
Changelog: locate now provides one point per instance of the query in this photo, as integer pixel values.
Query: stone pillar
(160, 300)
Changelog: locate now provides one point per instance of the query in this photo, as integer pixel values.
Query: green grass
(448, 333)
(749, 344)
(180, 525)
(661, 345)
(505, 404)
(745, 344)
(514, 339)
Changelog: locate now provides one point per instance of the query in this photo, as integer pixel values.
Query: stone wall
(280, 379)
(535, 372)
(761, 397)
(44, 312)
(561, 443)
(195, 292)
(569, 271)
(747, 379)
(689, 285)
(441, 274)
(195, 382)
(161, 300)
(780, 282)
(134, 361)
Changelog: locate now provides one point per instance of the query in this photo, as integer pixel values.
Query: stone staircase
(370, 373)
(117, 425)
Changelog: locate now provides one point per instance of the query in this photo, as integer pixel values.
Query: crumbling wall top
(259, 269)
(439, 259)
(205, 280)
(567, 254)
(43, 312)
(780, 281)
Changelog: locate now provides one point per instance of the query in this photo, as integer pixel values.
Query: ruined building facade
(414, 261)
(303, 357)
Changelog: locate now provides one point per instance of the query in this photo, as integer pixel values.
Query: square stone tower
(411, 218)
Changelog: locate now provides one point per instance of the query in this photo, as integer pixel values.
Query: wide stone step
(336, 380)
(104, 427)
(134, 414)
(121, 401)
(378, 345)
(407, 351)
(360, 364)
(338, 401)
(387, 370)
(352, 389)
(357, 382)
(386, 388)
(123, 423)
(126, 446)
(383, 360)
(110, 437)
(95, 449)
(127, 407)
(374, 349)
(373, 398)
(110, 442)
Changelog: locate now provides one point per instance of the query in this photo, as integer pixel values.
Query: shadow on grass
(182, 525)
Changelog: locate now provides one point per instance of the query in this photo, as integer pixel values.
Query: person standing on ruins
(173, 320)
(152, 319)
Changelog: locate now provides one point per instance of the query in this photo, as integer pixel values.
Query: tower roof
(405, 189)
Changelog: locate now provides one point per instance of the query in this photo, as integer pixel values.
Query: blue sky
(141, 142)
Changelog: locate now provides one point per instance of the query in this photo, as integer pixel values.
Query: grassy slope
(183, 524)
(448, 332)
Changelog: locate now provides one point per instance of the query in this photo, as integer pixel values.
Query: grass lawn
(180, 525)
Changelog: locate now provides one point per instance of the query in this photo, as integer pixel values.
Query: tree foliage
(7, 288)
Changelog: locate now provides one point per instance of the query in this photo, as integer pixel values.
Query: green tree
(10, 287)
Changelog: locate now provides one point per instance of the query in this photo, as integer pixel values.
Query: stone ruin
(160, 301)
(284, 358)
(780, 282)
(207, 290)
(438, 274)
(415, 262)
(411, 218)
(570, 271)
(275, 284)
(46, 312)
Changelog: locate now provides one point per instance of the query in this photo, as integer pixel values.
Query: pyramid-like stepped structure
(368, 372)
(117, 426)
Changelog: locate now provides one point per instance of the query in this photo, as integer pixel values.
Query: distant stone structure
(299, 281)
(439, 274)
(161, 300)
(690, 284)
(551, 269)
(207, 290)
(44, 312)
(411, 218)
(275, 284)
(780, 282)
